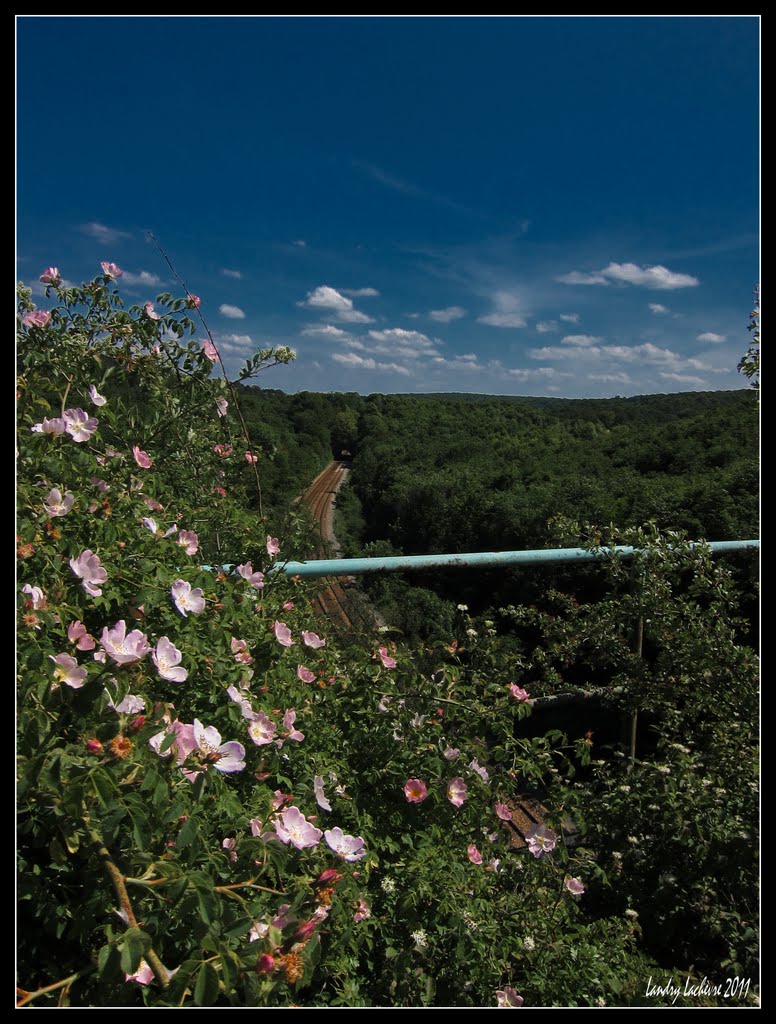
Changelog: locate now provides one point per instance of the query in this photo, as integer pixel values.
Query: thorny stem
(116, 877)
(221, 364)
(27, 997)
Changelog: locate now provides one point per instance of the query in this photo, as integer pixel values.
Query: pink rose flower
(111, 270)
(312, 640)
(456, 792)
(50, 276)
(150, 313)
(38, 318)
(387, 660)
(474, 854)
(518, 693)
(210, 350)
(79, 424)
(273, 547)
(143, 459)
(415, 791)
(283, 634)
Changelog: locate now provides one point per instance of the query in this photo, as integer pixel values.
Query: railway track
(332, 601)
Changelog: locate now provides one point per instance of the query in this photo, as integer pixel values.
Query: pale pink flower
(294, 828)
(518, 693)
(79, 424)
(477, 768)
(210, 350)
(450, 753)
(507, 997)
(169, 533)
(574, 885)
(150, 524)
(50, 276)
(283, 634)
(363, 911)
(88, 569)
(541, 840)
(350, 848)
(38, 318)
(122, 647)
(189, 541)
(262, 730)
(219, 490)
(474, 854)
(183, 744)
(143, 459)
(37, 597)
(111, 270)
(153, 504)
(256, 579)
(143, 975)
(251, 459)
(305, 674)
(320, 796)
(55, 504)
(279, 799)
(240, 651)
(387, 660)
(273, 546)
(288, 723)
(68, 672)
(95, 396)
(225, 757)
(229, 845)
(49, 426)
(256, 825)
(221, 406)
(102, 485)
(130, 705)
(167, 659)
(457, 792)
(312, 640)
(288, 606)
(76, 634)
(503, 812)
(223, 451)
(415, 791)
(238, 696)
(186, 599)
(149, 310)
(193, 301)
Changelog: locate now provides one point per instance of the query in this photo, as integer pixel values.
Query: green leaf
(108, 962)
(206, 989)
(134, 945)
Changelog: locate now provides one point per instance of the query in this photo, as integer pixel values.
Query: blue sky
(531, 206)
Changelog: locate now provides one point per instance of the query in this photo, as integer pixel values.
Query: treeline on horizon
(455, 473)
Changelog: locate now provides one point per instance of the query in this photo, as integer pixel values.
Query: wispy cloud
(300, 242)
(657, 277)
(715, 339)
(327, 331)
(570, 318)
(445, 316)
(580, 340)
(232, 273)
(103, 233)
(657, 308)
(547, 326)
(507, 311)
(367, 363)
(231, 312)
(239, 343)
(353, 316)
(400, 343)
(361, 293)
(683, 378)
(144, 278)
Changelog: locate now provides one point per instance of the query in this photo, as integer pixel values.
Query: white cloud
(611, 378)
(300, 242)
(361, 293)
(239, 343)
(104, 234)
(231, 312)
(715, 339)
(397, 335)
(657, 277)
(232, 273)
(507, 312)
(682, 378)
(327, 331)
(657, 308)
(367, 363)
(444, 316)
(546, 326)
(570, 318)
(646, 353)
(581, 340)
(143, 278)
(353, 316)
(324, 297)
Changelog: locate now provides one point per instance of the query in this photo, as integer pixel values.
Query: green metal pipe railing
(477, 560)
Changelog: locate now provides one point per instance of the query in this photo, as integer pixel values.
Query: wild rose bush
(220, 804)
